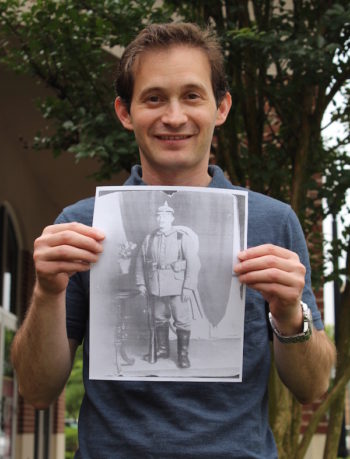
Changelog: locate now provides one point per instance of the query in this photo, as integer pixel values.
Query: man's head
(163, 36)
(165, 216)
(172, 95)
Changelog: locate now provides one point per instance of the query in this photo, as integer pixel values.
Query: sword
(151, 357)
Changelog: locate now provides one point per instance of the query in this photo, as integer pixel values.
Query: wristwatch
(300, 337)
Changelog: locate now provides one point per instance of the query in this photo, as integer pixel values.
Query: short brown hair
(158, 36)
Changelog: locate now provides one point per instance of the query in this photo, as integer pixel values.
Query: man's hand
(186, 294)
(142, 290)
(62, 250)
(279, 276)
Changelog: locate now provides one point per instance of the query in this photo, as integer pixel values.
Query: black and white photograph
(165, 303)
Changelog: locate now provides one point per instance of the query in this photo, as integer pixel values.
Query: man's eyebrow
(150, 89)
(186, 87)
(195, 86)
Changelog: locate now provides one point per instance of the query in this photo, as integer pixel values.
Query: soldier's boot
(183, 342)
(162, 334)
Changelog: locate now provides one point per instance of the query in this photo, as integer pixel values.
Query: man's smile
(173, 137)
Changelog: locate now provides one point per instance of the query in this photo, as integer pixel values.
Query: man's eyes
(193, 96)
(156, 99)
(153, 99)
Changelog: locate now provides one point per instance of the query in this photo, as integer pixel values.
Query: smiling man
(173, 113)
(172, 93)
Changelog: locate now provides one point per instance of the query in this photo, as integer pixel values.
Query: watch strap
(299, 337)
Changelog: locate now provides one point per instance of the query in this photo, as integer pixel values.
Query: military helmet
(165, 208)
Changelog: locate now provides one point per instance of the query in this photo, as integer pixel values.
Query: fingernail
(100, 234)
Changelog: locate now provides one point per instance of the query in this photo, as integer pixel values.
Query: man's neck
(165, 230)
(176, 178)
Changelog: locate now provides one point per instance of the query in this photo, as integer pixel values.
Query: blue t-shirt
(192, 420)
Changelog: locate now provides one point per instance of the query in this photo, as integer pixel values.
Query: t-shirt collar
(214, 171)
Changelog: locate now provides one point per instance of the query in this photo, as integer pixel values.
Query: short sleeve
(297, 243)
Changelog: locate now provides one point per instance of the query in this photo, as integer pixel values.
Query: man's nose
(174, 114)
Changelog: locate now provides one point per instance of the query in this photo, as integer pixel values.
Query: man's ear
(123, 114)
(223, 109)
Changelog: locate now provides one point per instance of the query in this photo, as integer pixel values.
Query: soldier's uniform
(167, 263)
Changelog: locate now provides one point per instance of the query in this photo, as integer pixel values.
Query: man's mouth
(173, 137)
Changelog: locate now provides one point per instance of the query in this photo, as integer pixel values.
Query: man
(167, 270)
(172, 93)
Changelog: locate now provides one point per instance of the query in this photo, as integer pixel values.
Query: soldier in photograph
(167, 271)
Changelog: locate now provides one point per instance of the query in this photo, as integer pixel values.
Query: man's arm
(193, 264)
(279, 276)
(139, 269)
(41, 353)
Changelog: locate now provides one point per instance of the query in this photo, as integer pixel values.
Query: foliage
(284, 67)
(65, 46)
(75, 387)
(285, 63)
(74, 394)
(329, 329)
(8, 368)
(71, 437)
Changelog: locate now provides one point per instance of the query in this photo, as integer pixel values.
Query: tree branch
(321, 411)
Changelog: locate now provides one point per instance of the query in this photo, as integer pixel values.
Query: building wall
(36, 185)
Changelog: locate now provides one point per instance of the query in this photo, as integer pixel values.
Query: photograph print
(165, 303)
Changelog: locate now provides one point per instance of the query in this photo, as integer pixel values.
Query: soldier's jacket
(168, 262)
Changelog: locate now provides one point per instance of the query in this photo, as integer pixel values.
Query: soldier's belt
(177, 266)
(154, 266)
(164, 266)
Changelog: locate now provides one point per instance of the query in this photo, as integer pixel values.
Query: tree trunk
(321, 411)
(335, 399)
(343, 365)
(334, 426)
(285, 416)
(302, 125)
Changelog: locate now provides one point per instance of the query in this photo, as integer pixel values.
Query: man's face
(173, 111)
(165, 220)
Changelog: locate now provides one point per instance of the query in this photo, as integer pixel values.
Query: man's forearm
(305, 367)
(41, 353)
(279, 276)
